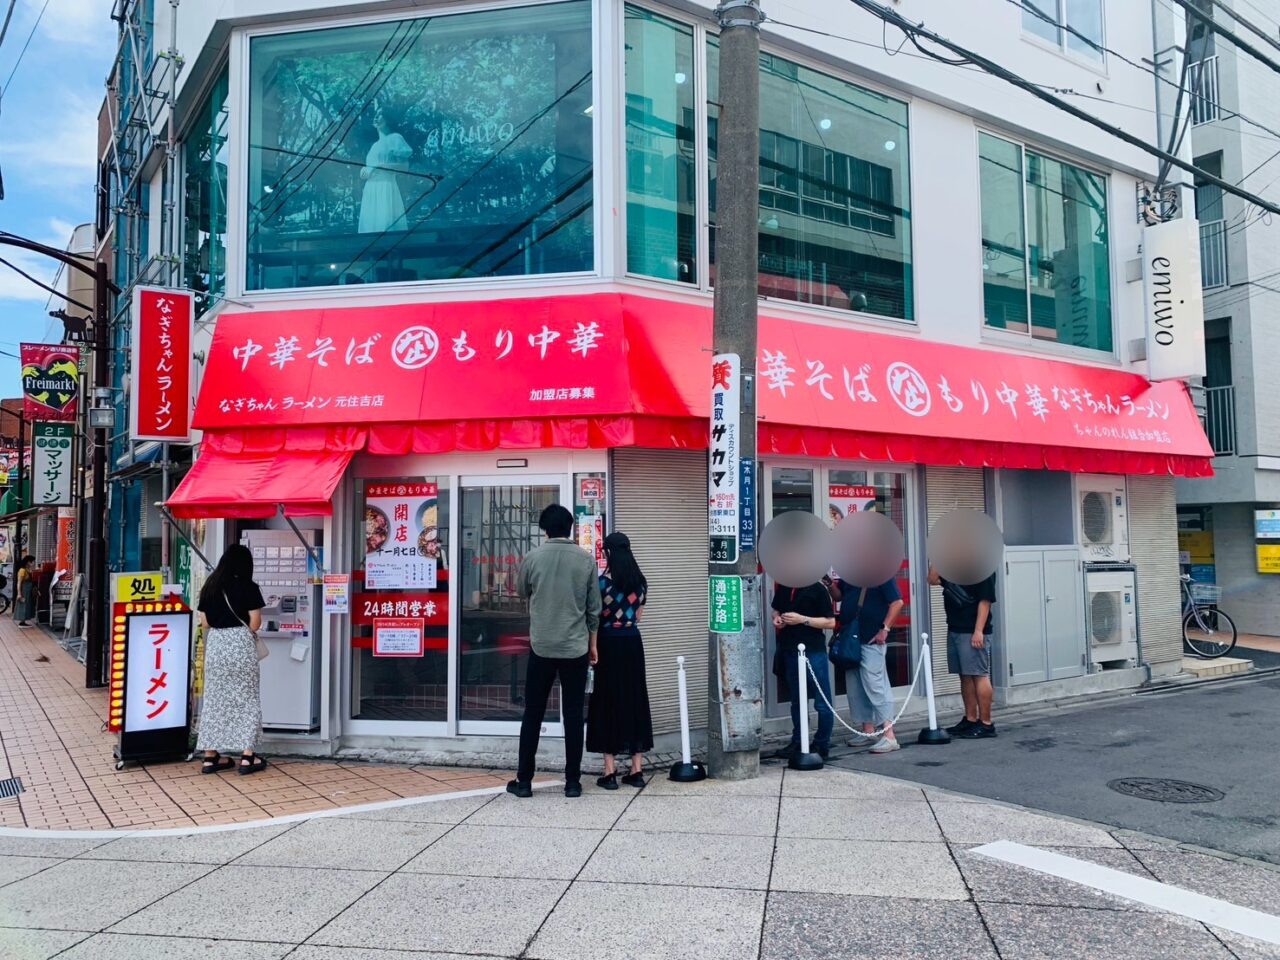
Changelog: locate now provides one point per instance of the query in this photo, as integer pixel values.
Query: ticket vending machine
(290, 676)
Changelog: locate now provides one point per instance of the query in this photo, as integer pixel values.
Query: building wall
(1251, 599)
(1153, 541)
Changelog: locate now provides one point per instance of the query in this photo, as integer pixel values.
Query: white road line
(28, 833)
(1162, 896)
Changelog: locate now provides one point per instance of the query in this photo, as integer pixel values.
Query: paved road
(1223, 735)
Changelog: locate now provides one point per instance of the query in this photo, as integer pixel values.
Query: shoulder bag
(259, 644)
(846, 647)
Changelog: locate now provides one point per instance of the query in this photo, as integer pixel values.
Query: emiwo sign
(1174, 300)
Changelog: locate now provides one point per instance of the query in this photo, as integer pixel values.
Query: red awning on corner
(253, 484)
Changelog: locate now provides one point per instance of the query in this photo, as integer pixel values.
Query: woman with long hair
(25, 592)
(231, 716)
(618, 719)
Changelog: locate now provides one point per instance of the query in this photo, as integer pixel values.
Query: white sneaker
(886, 745)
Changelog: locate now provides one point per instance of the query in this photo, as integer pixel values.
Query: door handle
(1048, 599)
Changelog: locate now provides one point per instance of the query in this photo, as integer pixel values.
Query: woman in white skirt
(231, 715)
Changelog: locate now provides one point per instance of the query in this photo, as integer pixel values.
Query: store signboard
(337, 593)
(402, 538)
(1171, 283)
(160, 398)
(431, 608)
(1268, 558)
(724, 477)
(1266, 524)
(50, 381)
(138, 587)
(726, 604)
(398, 637)
(51, 472)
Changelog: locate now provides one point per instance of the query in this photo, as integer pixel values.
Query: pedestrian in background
(231, 715)
(25, 592)
(968, 609)
(618, 718)
(560, 581)
(870, 691)
(801, 615)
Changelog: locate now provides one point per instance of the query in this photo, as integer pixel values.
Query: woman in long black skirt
(618, 719)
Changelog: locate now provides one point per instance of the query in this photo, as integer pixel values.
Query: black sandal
(609, 781)
(216, 764)
(255, 764)
(634, 780)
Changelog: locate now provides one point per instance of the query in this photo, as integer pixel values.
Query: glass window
(1066, 269)
(835, 209)
(1081, 18)
(661, 183)
(401, 570)
(205, 155)
(428, 149)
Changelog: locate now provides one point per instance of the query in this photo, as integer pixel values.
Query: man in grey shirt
(561, 583)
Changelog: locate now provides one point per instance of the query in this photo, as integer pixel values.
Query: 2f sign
(1174, 301)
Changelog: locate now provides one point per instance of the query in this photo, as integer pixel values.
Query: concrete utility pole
(736, 665)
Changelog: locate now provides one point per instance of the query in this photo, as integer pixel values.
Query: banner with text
(160, 401)
(50, 381)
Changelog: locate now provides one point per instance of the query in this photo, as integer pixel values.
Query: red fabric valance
(248, 485)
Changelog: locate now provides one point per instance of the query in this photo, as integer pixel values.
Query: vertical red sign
(160, 398)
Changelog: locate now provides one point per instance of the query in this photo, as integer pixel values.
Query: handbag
(259, 645)
(846, 646)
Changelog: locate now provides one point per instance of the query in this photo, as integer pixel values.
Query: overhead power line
(1230, 35)
(918, 33)
(1247, 24)
(23, 52)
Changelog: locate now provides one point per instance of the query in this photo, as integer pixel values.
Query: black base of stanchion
(932, 737)
(806, 761)
(688, 772)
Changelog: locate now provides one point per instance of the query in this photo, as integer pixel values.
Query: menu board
(402, 536)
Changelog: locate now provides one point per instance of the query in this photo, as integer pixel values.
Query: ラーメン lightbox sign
(1171, 285)
(160, 399)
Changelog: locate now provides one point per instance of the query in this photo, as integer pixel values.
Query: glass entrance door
(498, 525)
(832, 492)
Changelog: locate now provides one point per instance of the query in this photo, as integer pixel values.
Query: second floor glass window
(1046, 268)
(1074, 25)
(438, 148)
(835, 208)
(205, 157)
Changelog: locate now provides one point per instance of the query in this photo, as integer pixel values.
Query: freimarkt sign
(723, 477)
(1174, 300)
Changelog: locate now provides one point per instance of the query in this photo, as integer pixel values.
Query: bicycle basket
(1206, 592)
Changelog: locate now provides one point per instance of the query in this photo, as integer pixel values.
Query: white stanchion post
(687, 771)
(804, 759)
(930, 734)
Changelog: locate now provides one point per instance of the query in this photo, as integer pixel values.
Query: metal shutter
(947, 489)
(1153, 542)
(657, 502)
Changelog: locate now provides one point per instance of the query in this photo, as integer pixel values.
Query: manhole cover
(1165, 791)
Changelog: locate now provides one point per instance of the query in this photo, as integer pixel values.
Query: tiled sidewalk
(51, 736)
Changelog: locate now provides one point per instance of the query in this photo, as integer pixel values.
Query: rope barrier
(879, 732)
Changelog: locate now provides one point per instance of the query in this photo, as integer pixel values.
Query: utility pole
(736, 664)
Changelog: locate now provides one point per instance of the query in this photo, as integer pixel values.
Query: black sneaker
(979, 731)
(634, 780)
(823, 752)
(573, 790)
(520, 788)
(608, 782)
(960, 728)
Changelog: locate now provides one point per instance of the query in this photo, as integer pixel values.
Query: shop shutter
(1153, 542)
(658, 502)
(947, 489)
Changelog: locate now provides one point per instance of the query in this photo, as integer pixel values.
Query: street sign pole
(736, 655)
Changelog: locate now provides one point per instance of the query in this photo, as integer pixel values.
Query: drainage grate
(10, 788)
(1165, 791)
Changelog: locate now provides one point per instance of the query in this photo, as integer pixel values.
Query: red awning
(607, 370)
(248, 484)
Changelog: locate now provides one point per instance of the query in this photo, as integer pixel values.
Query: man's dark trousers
(538, 682)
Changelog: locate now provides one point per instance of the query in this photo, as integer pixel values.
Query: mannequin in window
(381, 205)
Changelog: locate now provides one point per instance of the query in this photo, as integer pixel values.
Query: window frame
(190, 128)
(603, 181)
(1002, 337)
(1097, 64)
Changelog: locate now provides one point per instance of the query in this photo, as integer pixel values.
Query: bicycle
(1207, 632)
(4, 597)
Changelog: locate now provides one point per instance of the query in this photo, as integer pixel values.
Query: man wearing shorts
(969, 650)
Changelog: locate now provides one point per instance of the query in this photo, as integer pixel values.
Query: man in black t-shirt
(802, 615)
(968, 609)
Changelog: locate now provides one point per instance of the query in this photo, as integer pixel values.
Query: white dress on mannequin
(381, 205)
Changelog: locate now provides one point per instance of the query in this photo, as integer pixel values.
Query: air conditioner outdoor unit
(1103, 518)
(1111, 611)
